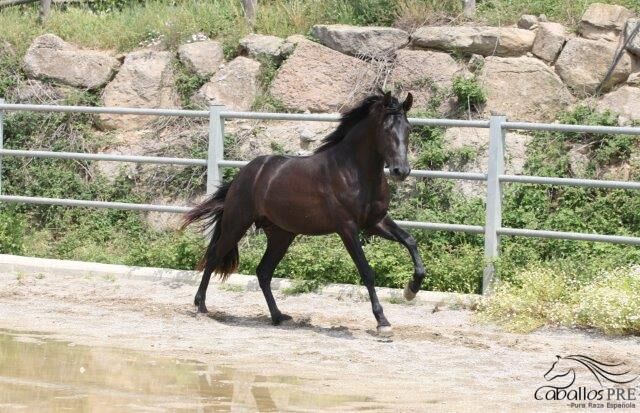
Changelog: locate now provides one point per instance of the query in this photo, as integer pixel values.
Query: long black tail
(209, 215)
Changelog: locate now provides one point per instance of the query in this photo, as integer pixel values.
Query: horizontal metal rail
(331, 117)
(183, 209)
(225, 114)
(93, 204)
(559, 127)
(105, 110)
(104, 157)
(589, 183)
(574, 236)
(436, 226)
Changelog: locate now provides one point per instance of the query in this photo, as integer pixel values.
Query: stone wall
(530, 72)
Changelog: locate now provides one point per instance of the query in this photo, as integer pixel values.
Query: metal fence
(495, 177)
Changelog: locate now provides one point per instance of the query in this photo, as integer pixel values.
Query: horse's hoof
(385, 331)
(202, 309)
(276, 321)
(408, 294)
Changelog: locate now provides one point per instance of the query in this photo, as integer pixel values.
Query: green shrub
(469, 92)
(12, 229)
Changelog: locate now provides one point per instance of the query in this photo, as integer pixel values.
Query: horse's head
(392, 139)
(558, 369)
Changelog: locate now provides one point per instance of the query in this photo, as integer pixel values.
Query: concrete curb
(30, 265)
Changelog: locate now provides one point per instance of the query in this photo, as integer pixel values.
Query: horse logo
(605, 373)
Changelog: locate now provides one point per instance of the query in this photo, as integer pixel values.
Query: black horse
(341, 189)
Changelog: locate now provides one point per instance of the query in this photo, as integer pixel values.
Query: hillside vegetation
(124, 25)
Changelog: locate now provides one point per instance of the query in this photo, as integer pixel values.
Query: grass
(536, 297)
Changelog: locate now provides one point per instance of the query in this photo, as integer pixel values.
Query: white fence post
(1, 140)
(493, 220)
(216, 147)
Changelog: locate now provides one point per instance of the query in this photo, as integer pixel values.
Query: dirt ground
(437, 360)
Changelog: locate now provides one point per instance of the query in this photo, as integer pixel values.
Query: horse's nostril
(396, 171)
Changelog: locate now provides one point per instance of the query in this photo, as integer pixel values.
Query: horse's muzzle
(399, 173)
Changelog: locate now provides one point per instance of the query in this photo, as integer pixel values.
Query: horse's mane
(352, 117)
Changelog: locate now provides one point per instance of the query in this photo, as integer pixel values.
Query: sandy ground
(437, 360)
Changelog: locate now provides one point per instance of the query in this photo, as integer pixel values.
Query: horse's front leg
(388, 229)
(352, 243)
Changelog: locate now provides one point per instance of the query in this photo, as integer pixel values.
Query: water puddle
(45, 375)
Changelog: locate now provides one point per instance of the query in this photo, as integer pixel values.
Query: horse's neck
(359, 150)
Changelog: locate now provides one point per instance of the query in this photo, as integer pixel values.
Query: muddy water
(45, 375)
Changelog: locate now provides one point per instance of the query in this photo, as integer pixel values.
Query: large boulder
(624, 101)
(634, 46)
(583, 64)
(236, 85)
(474, 144)
(145, 80)
(50, 57)
(549, 41)
(264, 47)
(423, 73)
(523, 88)
(203, 58)
(319, 79)
(603, 21)
(368, 42)
(255, 138)
(486, 41)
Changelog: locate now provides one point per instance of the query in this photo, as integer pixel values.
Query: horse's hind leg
(234, 225)
(278, 242)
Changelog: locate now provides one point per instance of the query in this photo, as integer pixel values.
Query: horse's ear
(408, 102)
(386, 99)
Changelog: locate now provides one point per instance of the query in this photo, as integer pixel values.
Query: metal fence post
(493, 220)
(1, 140)
(216, 147)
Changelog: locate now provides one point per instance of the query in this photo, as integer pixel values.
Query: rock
(523, 89)
(487, 41)
(319, 79)
(368, 42)
(583, 63)
(542, 18)
(624, 101)
(266, 137)
(528, 22)
(235, 85)
(476, 63)
(260, 46)
(549, 41)
(634, 46)
(476, 141)
(50, 57)
(203, 58)
(578, 159)
(634, 79)
(603, 21)
(422, 73)
(145, 80)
